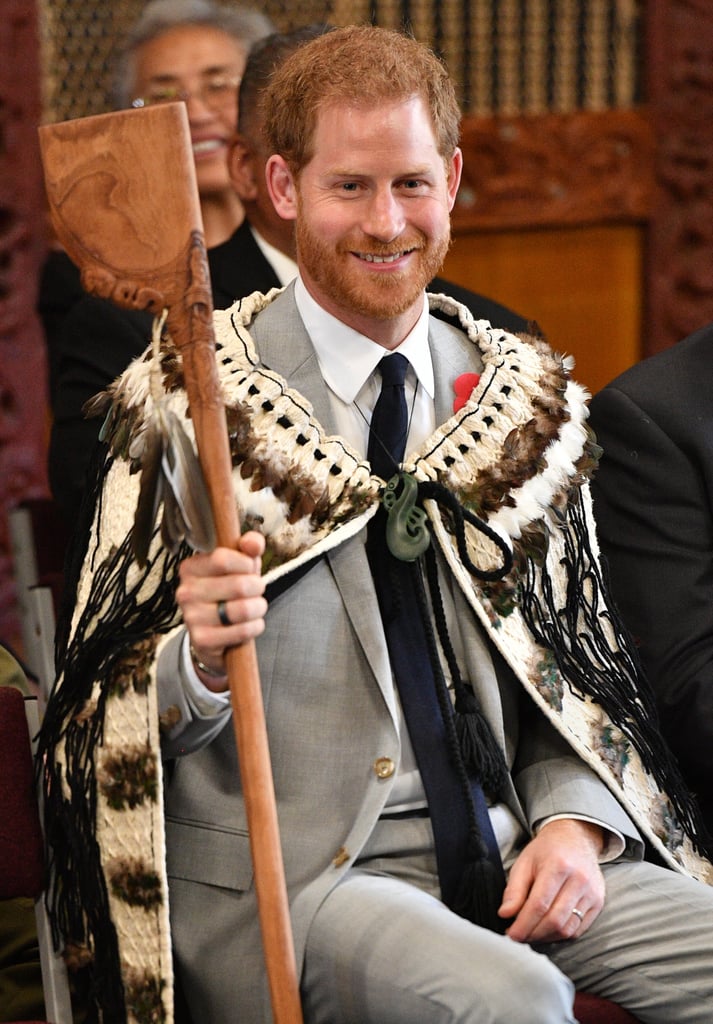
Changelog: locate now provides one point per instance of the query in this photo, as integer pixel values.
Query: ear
(455, 170)
(241, 169)
(281, 186)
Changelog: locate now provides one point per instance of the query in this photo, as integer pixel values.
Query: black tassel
(480, 890)
(481, 751)
(479, 894)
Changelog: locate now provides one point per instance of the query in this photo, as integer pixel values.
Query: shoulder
(683, 369)
(263, 329)
(238, 267)
(102, 333)
(259, 314)
(481, 307)
(241, 240)
(60, 283)
(527, 353)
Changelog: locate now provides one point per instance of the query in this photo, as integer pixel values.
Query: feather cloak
(508, 470)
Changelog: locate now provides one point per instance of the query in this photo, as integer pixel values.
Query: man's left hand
(556, 873)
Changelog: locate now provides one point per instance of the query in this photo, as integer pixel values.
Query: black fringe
(115, 618)
(99, 464)
(480, 893)
(592, 665)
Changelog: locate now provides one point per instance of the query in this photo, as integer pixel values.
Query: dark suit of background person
(653, 501)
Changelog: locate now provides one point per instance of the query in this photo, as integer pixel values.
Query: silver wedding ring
(578, 913)
(223, 614)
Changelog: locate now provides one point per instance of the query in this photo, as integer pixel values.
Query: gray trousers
(383, 949)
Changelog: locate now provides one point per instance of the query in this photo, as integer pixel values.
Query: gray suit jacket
(331, 714)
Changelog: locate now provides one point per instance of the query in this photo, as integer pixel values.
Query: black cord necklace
(407, 535)
(408, 426)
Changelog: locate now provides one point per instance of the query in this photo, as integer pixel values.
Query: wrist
(203, 669)
(580, 829)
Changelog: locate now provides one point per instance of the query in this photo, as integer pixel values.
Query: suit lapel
(285, 347)
(352, 575)
(452, 355)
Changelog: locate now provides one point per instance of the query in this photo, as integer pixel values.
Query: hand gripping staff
(124, 202)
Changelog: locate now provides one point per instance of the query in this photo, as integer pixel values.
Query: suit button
(169, 718)
(342, 856)
(384, 767)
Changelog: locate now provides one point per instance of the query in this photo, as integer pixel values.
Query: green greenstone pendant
(407, 535)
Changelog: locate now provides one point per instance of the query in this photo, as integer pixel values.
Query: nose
(384, 218)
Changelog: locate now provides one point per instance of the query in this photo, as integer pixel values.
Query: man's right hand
(231, 579)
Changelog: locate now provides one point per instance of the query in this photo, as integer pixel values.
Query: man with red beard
(467, 766)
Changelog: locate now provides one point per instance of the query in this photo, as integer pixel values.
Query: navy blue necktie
(389, 421)
(459, 814)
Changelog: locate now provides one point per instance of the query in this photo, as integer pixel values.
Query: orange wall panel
(582, 285)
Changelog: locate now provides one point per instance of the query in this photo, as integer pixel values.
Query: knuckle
(541, 906)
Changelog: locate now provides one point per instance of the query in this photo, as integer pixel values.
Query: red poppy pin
(464, 387)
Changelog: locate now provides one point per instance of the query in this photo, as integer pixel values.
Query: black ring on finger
(223, 614)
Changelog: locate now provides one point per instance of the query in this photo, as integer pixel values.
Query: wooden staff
(124, 202)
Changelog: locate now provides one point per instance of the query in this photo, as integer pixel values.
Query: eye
(220, 85)
(165, 95)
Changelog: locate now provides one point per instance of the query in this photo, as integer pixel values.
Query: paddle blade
(124, 203)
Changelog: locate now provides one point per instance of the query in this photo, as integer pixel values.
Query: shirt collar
(347, 359)
(285, 268)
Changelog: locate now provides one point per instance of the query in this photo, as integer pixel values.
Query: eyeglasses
(216, 91)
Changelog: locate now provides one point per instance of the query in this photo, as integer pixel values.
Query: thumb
(516, 891)
(252, 544)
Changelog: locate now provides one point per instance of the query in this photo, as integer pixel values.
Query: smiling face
(372, 213)
(197, 60)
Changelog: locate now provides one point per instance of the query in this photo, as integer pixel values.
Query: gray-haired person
(195, 50)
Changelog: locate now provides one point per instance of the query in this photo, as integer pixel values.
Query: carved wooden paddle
(124, 203)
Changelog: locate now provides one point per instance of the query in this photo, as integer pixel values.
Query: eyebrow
(217, 69)
(419, 172)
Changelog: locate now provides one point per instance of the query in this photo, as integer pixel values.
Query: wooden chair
(38, 539)
(21, 844)
(589, 1009)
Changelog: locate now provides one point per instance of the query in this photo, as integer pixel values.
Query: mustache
(372, 246)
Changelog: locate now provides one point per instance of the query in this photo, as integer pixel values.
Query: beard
(381, 296)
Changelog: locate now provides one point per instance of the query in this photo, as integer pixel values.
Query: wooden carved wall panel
(680, 243)
(508, 57)
(555, 170)
(23, 409)
(514, 57)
